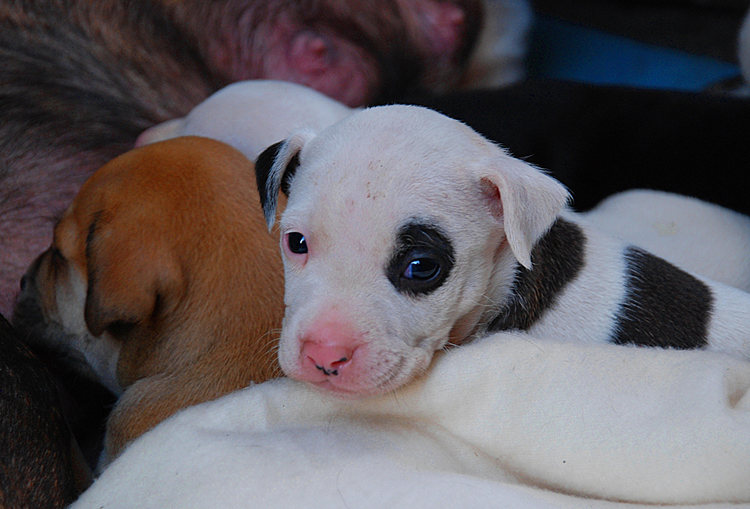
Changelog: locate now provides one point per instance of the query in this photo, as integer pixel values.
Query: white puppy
(251, 115)
(406, 230)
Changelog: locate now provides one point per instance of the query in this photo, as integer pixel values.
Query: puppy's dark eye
(422, 269)
(422, 259)
(296, 242)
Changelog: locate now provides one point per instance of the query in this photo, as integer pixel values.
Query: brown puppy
(162, 282)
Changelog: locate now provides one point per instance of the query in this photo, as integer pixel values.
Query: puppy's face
(50, 309)
(402, 227)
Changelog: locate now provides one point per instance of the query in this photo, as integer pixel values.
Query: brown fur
(178, 268)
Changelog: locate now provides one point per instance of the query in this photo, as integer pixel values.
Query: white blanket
(508, 421)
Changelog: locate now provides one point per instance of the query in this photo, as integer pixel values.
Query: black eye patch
(422, 260)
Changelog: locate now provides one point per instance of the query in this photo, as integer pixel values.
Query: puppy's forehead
(390, 152)
(360, 182)
(396, 134)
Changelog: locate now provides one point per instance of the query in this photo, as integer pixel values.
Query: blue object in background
(563, 50)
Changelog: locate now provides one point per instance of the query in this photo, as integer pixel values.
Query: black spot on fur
(263, 167)
(422, 261)
(664, 306)
(557, 259)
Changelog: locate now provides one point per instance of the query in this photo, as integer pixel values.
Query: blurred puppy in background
(253, 115)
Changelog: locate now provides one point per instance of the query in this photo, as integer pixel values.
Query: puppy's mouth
(360, 387)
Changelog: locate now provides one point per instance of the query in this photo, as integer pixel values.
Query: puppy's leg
(150, 400)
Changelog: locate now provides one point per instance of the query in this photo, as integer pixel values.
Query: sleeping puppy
(251, 115)
(162, 282)
(406, 230)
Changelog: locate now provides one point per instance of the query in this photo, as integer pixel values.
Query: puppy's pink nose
(328, 358)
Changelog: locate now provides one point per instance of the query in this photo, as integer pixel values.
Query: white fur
(697, 236)
(361, 179)
(497, 423)
(251, 115)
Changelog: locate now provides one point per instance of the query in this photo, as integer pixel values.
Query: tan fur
(180, 271)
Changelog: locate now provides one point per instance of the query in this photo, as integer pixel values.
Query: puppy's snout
(327, 358)
(328, 350)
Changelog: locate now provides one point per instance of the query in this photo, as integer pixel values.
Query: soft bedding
(506, 421)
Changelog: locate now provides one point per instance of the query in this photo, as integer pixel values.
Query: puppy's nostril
(333, 371)
(327, 372)
(329, 357)
(24, 282)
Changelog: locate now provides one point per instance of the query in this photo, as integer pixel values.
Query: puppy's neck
(557, 259)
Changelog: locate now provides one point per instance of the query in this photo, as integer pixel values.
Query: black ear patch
(263, 166)
(422, 260)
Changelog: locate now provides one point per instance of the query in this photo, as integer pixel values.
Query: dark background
(707, 27)
(599, 139)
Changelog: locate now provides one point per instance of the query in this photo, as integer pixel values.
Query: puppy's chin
(49, 340)
(57, 330)
(92, 358)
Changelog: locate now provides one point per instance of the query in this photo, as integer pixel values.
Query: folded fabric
(507, 421)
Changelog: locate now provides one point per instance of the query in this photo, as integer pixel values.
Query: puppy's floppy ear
(130, 277)
(274, 170)
(526, 200)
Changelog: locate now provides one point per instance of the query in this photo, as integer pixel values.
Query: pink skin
(437, 26)
(328, 356)
(332, 66)
(323, 61)
(321, 58)
(438, 30)
(328, 64)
